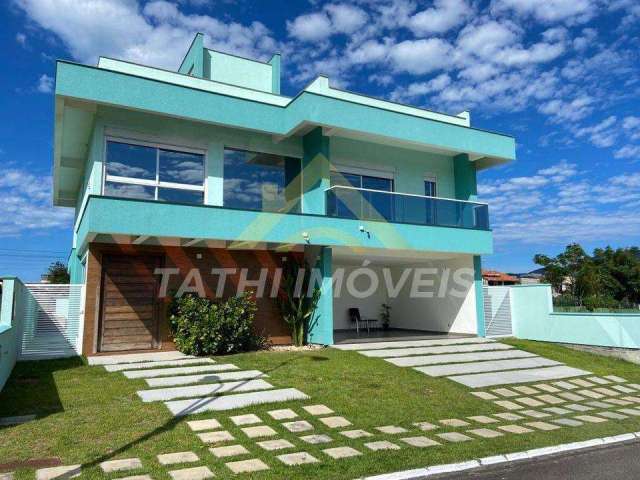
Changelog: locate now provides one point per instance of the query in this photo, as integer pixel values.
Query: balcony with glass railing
(377, 205)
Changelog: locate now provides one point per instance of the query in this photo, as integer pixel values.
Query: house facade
(179, 179)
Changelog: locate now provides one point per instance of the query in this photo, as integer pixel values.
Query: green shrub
(201, 326)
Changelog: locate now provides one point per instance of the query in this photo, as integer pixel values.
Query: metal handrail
(345, 187)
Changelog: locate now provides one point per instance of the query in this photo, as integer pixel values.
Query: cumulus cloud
(570, 11)
(333, 19)
(444, 15)
(157, 34)
(26, 204)
(45, 84)
(421, 56)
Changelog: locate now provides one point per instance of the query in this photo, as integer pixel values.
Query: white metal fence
(497, 311)
(51, 320)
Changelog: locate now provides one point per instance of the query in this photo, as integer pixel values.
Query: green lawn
(87, 415)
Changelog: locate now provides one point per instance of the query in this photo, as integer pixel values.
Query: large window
(153, 173)
(261, 181)
(365, 203)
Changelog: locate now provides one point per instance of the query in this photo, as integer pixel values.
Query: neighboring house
(210, 167)
(493, 277)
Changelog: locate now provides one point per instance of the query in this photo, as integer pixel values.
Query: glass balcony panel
(362, 204)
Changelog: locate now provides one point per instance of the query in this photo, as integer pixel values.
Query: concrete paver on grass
(484, 395)
(391, 429)
(545, 387)
(381, 445)
(581, 382)
(120, 465)
(526, 390)
(607, 391)
(425, 426)
(535, 414)
(298, 426)
(298, 458)
(530, 402)
(203, 378)
(491, 366)
(63, 471)
(590, 394)
(615, 379)
(514, 429)
(341, 452)
(565, 385)
(485, 433)
(164, 363)
(411, 343)
(229, 451)
(216, 437)
(579, 408)
(573, 397)
(600, 404)
(318, 410)
(542, 426)
(163, 394)
(405, 352)
(353, 434)
(482, 419)
(316, 439)
(229, 402)
(551, 399)
(136, 358)
(168, 372)
(247, 466)
(480, 380)
(454, 437)
(418, 360)
(272, 445)
(249, 419)
(258, 432)
(590, 419)
(508, 405)
(568, 422)
(194, 473)
(505, 392)
(509, 416)
(199, 425)
(557, 410)
(612, 415)
(419, 442)
(177, 457)
(454, 422)
(282, 414)
(335, 422)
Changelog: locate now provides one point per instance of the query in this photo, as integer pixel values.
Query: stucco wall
(446, 313)
(369, 306)
(534, 319)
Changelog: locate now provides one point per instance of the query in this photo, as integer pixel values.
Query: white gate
(497, 311)
(51, 321)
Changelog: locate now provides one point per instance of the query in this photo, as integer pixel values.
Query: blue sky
(562, 76)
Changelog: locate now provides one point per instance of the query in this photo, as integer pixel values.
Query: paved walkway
(474, 362)
(190, 385)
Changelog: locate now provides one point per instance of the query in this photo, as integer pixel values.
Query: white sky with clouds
(561, 75)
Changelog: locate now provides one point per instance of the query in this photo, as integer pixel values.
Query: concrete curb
(419, 473)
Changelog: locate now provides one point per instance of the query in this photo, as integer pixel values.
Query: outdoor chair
(354, 315)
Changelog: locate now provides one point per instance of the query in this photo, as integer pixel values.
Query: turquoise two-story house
(211, 170)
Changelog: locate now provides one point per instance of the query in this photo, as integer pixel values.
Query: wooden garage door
(129, 303)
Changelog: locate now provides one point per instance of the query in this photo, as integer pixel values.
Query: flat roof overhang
(80, 89)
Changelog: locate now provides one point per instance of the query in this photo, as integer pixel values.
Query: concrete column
(321, 327)
(477, 281)
(464, 172)
(214, 174)
(275, 73)
(315, 172)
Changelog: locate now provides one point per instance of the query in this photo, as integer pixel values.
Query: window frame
(157, 184)
(431, 177)
(267, 151)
